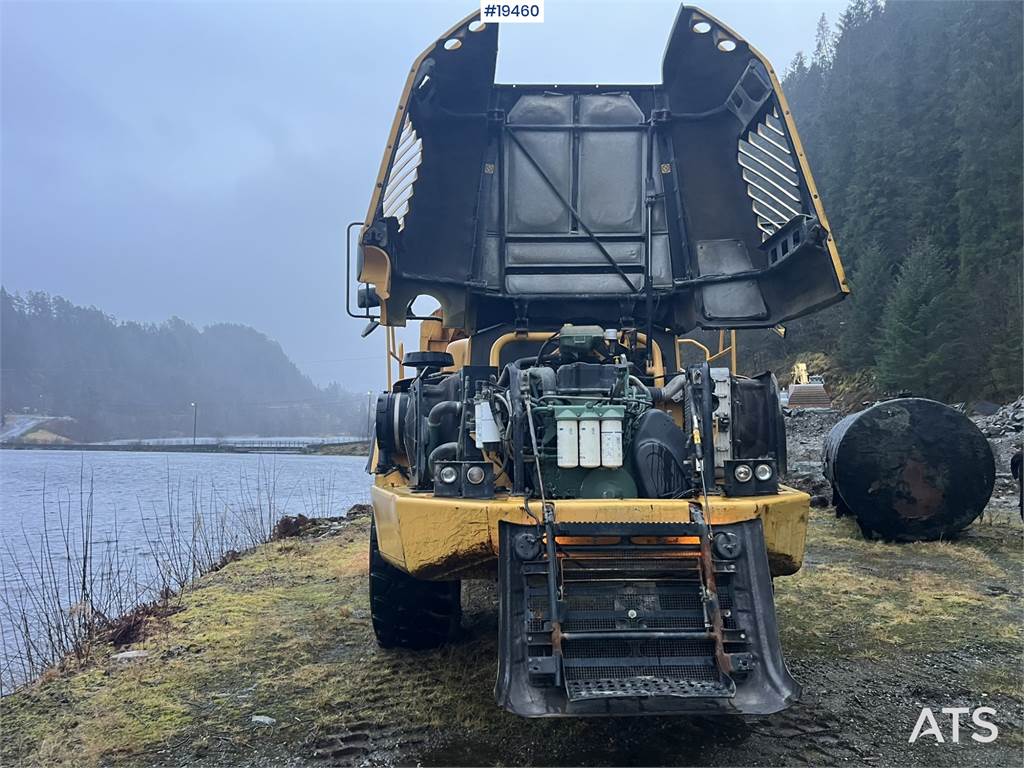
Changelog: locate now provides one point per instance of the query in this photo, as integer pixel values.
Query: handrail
(396, 352)
(505, 338)
(722, 349)
(709, 357)
(657, 366)
(694, 342)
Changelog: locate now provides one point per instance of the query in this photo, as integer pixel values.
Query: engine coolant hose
(443, 451)
(669, 391)
(435, 417)
(435, 448)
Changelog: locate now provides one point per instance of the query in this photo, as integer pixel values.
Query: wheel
(408, 612)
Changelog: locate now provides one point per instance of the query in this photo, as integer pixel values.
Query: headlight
(742, 473)
(475, 475)
(449, 475)
(763, 472)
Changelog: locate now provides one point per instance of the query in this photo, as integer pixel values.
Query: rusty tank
(909, 469)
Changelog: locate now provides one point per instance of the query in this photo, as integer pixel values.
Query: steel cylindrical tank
(909, 469)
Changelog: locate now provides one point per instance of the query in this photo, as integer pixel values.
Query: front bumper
(443, 538)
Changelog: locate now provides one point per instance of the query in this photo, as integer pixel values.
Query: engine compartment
(582, 417)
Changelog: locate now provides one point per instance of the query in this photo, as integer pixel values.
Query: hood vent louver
(770, 172)
(403, 174)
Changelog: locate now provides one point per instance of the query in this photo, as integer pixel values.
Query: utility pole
(195, 421)
(369, 413)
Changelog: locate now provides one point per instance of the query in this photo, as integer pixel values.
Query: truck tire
(408, 612)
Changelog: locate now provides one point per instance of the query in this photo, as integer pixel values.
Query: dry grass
(870, 598)
(284, 632)
(245, 631)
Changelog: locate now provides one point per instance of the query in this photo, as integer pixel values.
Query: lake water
(146, 508)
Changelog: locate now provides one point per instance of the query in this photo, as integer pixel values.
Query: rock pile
(805, 432)
(1006, 421)
(1003, 430)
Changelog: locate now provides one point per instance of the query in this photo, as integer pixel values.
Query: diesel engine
(580, 419)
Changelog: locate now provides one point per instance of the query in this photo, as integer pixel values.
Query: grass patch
(285, 632)
(861, 599)
(246, 640)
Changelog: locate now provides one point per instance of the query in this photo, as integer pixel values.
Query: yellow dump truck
(548, 432)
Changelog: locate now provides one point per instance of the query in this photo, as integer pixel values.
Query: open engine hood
(686, 204)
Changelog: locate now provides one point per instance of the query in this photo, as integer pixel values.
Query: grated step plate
(645, 687)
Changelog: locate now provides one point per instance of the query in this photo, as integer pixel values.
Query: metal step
(637, 613)
(647, 687)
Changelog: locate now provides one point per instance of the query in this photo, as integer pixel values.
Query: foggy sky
(202, 159)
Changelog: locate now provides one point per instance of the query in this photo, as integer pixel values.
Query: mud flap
(633, 630)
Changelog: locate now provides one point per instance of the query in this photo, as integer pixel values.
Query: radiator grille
(690, 672)
(644, 649)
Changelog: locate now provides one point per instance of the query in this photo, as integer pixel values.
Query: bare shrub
(69, 589)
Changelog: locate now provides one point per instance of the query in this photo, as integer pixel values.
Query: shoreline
(355, 448)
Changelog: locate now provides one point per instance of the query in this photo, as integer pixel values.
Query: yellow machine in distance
(547, 431)
(799, 374)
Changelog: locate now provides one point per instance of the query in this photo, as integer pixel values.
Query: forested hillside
(125, 380)
(911, 117)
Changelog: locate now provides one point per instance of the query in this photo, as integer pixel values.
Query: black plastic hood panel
(692, 197)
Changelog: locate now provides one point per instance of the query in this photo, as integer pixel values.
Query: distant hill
(910, 113)
(124, 380)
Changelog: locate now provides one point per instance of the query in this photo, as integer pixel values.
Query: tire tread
(408, 612)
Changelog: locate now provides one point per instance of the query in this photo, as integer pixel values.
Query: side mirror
(371, 326)
(367, 298)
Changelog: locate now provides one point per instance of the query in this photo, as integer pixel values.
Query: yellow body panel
(436, 538)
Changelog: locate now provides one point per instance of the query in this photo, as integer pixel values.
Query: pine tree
(1006, 356)
(871, 283)
(919, 338)
(913, 130)
(824, 44)
(988, 182)
(796, 70)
